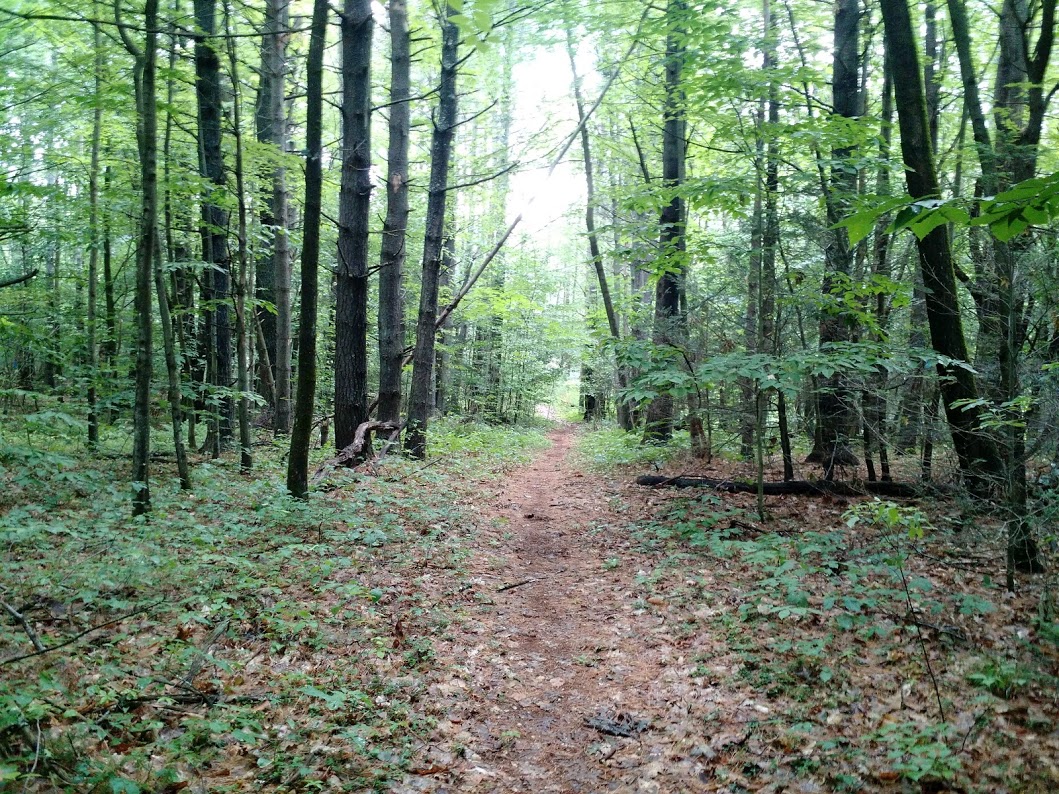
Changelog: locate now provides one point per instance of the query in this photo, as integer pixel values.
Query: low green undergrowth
(234, 639)
(611, 446)
(856, 616)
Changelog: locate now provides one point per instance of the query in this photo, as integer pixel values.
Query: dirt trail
(555, 637)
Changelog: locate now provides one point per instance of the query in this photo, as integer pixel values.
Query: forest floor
(606, 642)
(512, 615)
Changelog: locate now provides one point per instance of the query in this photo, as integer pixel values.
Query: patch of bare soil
(562, 678)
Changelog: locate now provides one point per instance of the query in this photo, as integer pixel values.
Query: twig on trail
(81, 634)
(531, 580)
(21, 620)
(513, 585)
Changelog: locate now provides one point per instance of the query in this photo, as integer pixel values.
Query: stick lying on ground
(792, 487)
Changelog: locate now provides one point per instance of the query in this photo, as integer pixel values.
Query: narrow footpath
(563, 676)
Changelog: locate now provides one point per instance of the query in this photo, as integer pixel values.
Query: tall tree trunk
(978, 456)
(1019, 104)
(96, 237)
(214, 217)
(298, 460)
(669, 324)
(624, 409)
(166, 252)
(835, 400)
(145, 70)
(351, 285)
(874, 399)
(421, 394)
(273, 266)
(391, 301)
(242, 327)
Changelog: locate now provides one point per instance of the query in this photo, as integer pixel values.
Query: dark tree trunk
(978, 456)
(273, 267)
(214, 216)
(298, 461)
(146, 134)
(242, 326)
(96, 238)
(1019, 103)
(669, 323)
(391, 301)
(421, 394)
(351, 276)
(835, 400)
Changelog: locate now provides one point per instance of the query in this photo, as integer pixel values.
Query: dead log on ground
(361, 440)
(794, 487)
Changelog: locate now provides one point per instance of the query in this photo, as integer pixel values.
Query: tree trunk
(214, 216)
(298, 461)
(874, 397)
(835, 400)
(391, 301)
(669, 324)
(172, 366)
(624, 410)
(978, 456)
(351, 285)
(1019, 104)
(273, 271)
(420, 401)
(242, 327)
(96, 238)
(147, 129)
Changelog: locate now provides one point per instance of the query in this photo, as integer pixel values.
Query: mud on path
(557, 652)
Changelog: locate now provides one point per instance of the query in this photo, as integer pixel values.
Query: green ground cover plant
(233, 633)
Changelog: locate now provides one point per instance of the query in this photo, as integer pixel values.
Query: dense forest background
(814, 237)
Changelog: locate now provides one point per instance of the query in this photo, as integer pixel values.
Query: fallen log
(361, 440)
(794, 487)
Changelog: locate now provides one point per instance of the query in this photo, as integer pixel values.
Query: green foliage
(666, 369)
(607, 447)
(1001, 678)
(230, 577)
(1033, 202)
(486, 448)
(921, 752)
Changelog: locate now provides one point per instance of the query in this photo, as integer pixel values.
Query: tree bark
(273, 271)
(391, 301)
(144, 79)
(669, 323)
(420, 401)
(242, 327)
(351, 275)
(978, 456)
(298, 461)
(835, 400)
(214, 217)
